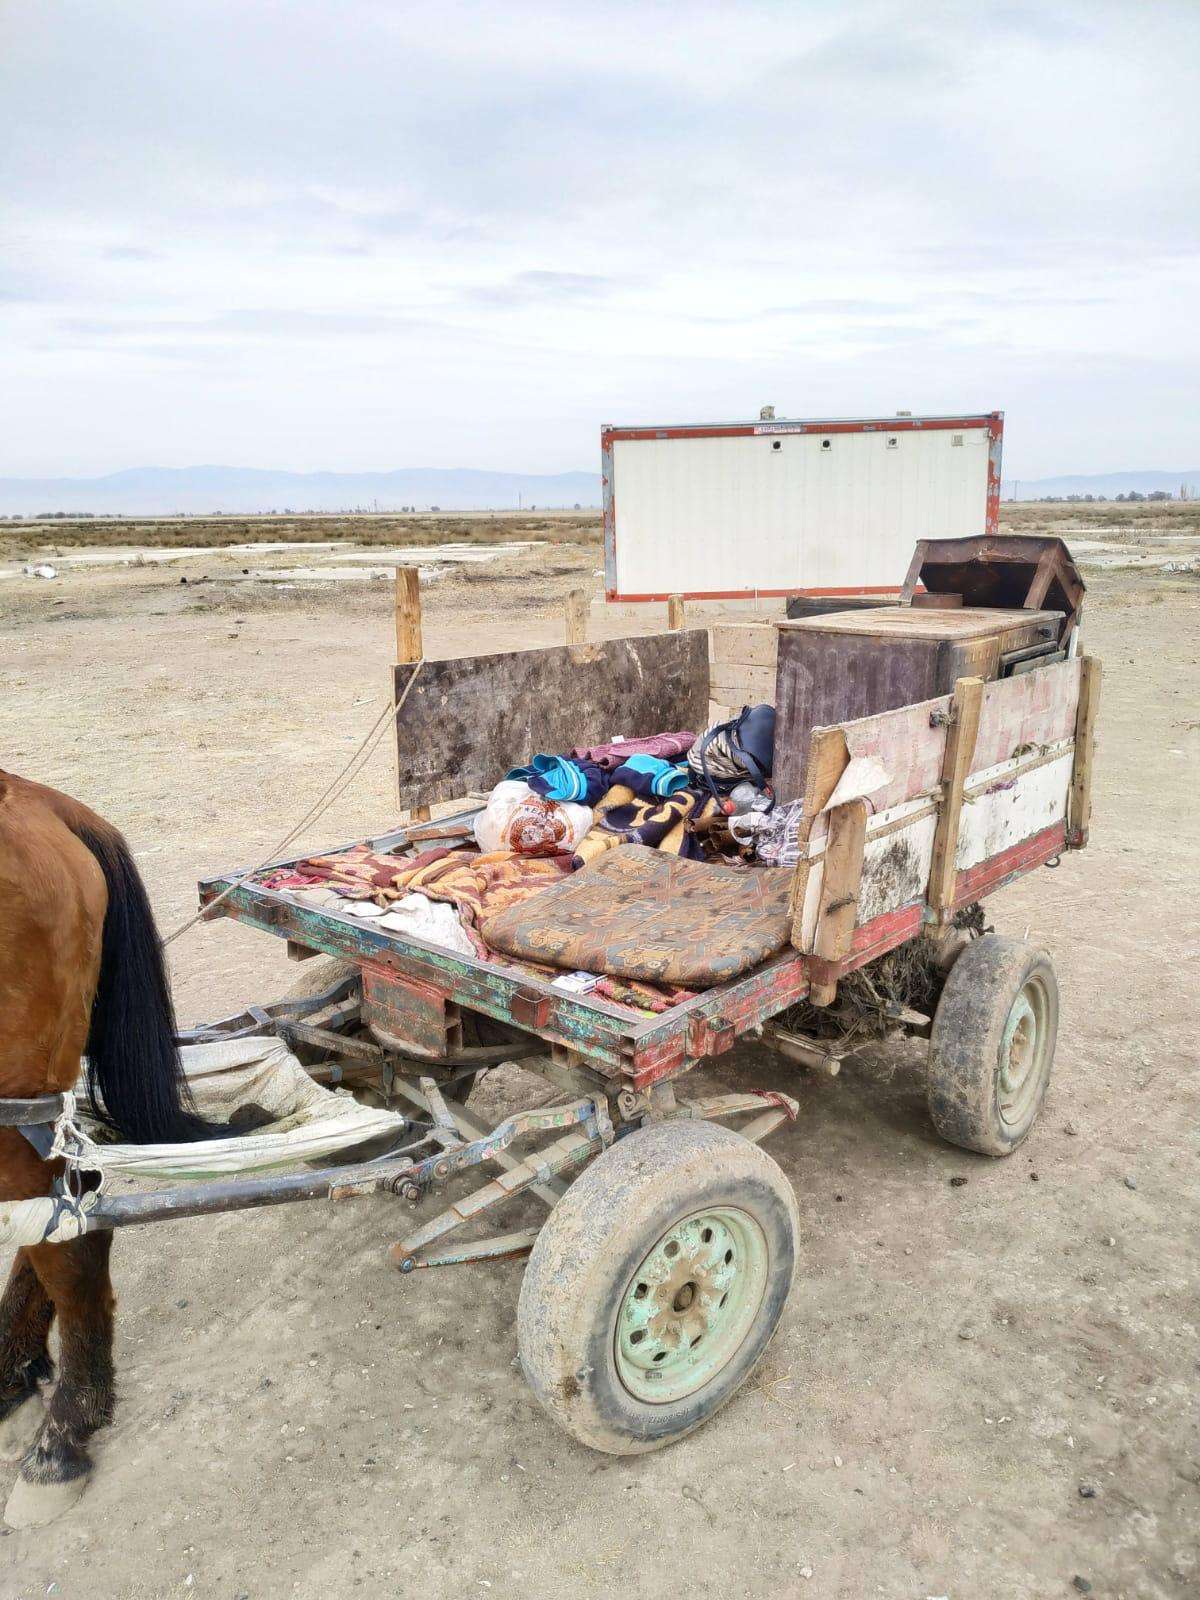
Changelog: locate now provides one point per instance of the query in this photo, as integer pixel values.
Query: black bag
(743, 750)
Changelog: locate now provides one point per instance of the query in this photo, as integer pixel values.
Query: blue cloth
(651, 777)
(559, 778)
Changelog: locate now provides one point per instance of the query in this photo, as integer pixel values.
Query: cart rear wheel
(656, 1284)
(992, 1045)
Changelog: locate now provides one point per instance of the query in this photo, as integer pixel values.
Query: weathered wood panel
(744, 644)
(469, 720)
(1019, 777)
(1031, 711)
(833, 678)
(742, 686)
(1016, 806)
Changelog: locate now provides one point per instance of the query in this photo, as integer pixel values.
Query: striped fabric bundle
(731, 752)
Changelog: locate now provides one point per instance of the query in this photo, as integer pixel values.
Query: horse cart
(661, 1269)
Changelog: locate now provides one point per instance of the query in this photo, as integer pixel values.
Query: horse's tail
(133, 1065)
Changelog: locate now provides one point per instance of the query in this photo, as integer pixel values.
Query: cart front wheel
(656, 1284)
(992, 1045)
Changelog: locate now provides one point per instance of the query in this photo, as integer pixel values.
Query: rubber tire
(594, 1241)
(965, 1041)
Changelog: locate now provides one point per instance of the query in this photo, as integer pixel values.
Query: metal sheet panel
(787, 507)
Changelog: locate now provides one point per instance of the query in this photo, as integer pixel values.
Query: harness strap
(26, 1113)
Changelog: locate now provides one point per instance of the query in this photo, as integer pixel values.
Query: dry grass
(570, 527)
(1114, 521)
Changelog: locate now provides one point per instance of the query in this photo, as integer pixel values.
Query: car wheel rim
(1024, 1054)
(690, 1304)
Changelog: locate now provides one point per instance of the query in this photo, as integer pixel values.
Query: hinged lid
(1010, 570)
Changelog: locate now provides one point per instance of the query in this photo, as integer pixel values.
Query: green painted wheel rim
(1024, 1054)
(689, 1306)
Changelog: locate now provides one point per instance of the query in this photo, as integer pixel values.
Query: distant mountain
(146, 491)
(1105, 485)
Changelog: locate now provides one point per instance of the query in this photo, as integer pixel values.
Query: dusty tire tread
(606, 1218)
(964, 1046)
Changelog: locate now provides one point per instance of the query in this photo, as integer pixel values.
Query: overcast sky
(343, 234)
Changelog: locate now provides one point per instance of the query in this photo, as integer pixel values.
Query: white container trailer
(733, 510)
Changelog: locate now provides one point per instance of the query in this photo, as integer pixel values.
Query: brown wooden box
(856, 663)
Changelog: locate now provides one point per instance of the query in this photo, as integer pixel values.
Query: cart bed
(908, 817)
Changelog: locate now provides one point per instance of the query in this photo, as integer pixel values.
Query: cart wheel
(992, 1045)
(656, 1284)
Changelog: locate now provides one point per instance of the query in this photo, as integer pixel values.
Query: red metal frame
(609, 435)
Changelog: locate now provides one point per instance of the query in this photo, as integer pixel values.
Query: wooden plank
(1042, 578)
(469, 720)
(913, 576)
(1079, 801)
(839, 893)
(745, 644)
(967, 622)
(960, 748)
(828, 759)
(577, 616)
(675, 612)
(739, 686)
(908, 742)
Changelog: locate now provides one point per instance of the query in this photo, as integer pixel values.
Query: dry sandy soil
(296, 1420)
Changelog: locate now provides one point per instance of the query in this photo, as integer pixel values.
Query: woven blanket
(477, 885)
(622, 818)
(642, 914)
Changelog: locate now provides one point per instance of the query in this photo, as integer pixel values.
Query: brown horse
(81, 973)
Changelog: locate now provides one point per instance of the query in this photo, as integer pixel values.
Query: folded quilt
(651, 775)
(668, 746)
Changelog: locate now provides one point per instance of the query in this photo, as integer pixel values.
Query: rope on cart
(344, 778)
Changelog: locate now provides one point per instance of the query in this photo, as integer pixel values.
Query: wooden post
(408, 615)
(577, 617)
(839, 894)
(410, 646)
(675, 612)
(956, 764)
(1079, 801)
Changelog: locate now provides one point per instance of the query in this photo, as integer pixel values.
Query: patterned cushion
(638, 913)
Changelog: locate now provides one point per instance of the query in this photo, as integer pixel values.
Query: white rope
(333, 792)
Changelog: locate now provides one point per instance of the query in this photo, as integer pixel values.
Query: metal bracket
(530, 1009)
(710, 1036)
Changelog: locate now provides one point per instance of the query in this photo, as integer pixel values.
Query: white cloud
(376, 234)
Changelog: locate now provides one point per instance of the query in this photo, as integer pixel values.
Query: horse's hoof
(30, 1505)
(20, 1427)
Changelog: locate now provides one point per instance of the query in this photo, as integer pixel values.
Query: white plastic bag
(517, 819)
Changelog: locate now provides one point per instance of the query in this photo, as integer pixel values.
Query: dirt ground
(955, 1363)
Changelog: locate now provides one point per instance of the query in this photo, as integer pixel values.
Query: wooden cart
(656, 1281)
(661, 1271)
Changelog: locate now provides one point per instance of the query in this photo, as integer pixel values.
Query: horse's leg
(55, 1470)
(25, 1316)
